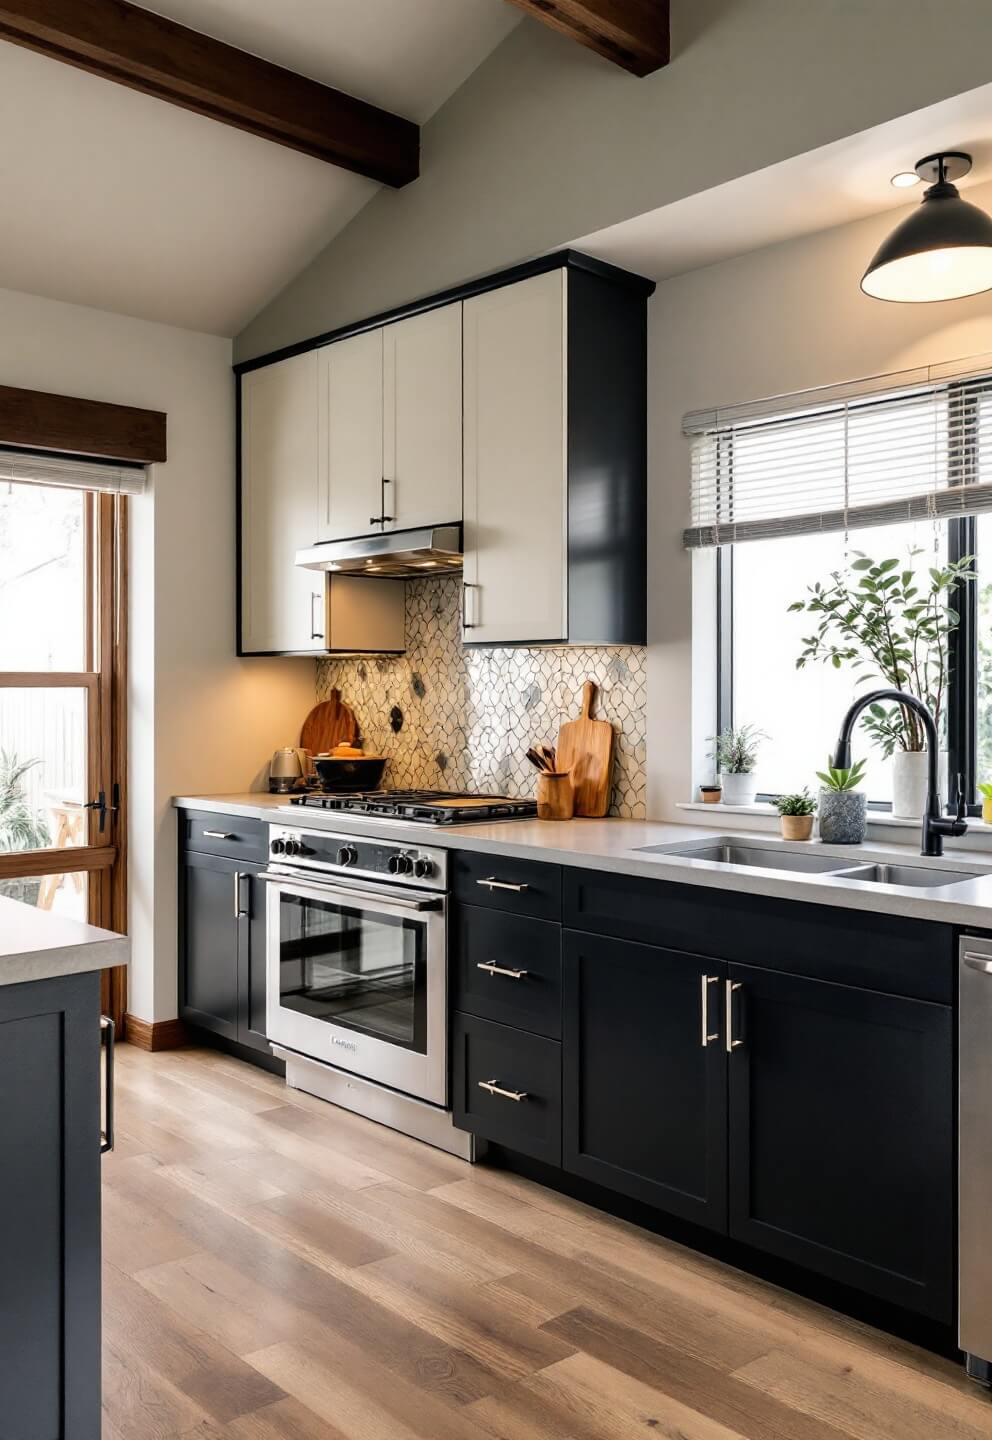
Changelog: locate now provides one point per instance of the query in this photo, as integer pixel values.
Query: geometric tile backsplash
(469, 715)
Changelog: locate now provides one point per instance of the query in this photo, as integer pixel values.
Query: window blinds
(895, 448)
(34, 468)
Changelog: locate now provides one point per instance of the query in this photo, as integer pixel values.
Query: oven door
(357, 978)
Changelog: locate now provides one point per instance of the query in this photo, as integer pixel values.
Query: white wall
(201, 720)
(546, 141)
(786, 318)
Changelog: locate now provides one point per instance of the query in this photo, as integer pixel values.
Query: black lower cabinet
(50, 1209)
(842, 1134)
(222, 948)
(645, 1075)
(506, 1087)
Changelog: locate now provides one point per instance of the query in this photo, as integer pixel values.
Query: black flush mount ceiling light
(940, 252)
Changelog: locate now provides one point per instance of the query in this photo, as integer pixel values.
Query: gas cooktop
(422, 807)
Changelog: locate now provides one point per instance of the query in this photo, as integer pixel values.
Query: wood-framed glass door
(62, 705)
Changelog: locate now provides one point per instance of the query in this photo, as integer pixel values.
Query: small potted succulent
(985, 791)
(843, 807)
(736, 757)
(796, 815)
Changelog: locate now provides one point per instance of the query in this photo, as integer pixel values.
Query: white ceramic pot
(909, 784)
(738, 789)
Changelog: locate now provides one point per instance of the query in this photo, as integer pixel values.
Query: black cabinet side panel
(607, 462)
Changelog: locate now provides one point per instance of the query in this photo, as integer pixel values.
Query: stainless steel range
(420, 807)
(357, 975)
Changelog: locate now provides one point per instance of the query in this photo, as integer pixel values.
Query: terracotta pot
(796, 827)
(710, 794)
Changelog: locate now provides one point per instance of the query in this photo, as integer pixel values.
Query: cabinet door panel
(210, 936)
(422, 419)
(644, 1097)
(841, 1134)
(281, 604)
(351, 491)
(515, 459)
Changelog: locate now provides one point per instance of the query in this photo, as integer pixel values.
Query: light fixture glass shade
(942, 251)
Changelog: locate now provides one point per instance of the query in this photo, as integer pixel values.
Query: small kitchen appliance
(285, 771)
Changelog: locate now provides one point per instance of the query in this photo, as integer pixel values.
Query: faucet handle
(959, 816)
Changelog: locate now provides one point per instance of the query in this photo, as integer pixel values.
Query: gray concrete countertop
(617, 846)
(36, 945)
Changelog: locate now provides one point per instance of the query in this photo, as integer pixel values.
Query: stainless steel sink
(917, 877)
(725, 851)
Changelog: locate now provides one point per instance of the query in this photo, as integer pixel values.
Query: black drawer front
(508, 968)
(520, 1065)
(502, 882)
(891, 953)
(229, 835)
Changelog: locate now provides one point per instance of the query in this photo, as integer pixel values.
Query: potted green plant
(21, 828)
(736, 752)
(796, 815)
(890, 622)
(843, 807)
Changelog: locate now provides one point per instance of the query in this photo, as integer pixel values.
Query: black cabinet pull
(107, 1038)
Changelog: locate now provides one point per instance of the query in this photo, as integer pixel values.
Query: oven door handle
(322, 890)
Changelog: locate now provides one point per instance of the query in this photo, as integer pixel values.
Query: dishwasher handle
(974, 961)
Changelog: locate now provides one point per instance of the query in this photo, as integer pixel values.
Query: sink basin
(918, 877)
(724, 851)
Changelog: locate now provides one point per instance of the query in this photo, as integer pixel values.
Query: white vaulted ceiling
(118, 200)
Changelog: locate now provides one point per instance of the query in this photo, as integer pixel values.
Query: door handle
(494, 1088)
(491, 968)
(706, 1036)
(315, 634)
(107, 1030)
(239, 911)
(732, 1043)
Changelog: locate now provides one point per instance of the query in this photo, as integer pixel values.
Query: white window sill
(766, 818)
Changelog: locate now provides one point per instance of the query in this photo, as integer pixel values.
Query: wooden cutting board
(585, 749)
(330, 723)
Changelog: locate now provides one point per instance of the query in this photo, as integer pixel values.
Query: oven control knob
(423, 868)
(278, 847)
(292, 847)
(400, 865)
(347, 855)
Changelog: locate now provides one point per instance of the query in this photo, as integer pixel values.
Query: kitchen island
(51, 1137)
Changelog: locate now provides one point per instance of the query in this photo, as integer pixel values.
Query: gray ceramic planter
(843, 814)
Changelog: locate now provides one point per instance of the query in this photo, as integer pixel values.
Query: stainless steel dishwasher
(975, 1156)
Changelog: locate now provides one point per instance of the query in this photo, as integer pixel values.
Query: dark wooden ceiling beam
(150, 53)
(634, 34)
(37, 420)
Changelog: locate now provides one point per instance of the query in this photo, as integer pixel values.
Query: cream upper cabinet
(282, 606)
(422, 419)
(515, 463)
(351, 435)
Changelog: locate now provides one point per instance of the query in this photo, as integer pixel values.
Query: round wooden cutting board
(330, 723)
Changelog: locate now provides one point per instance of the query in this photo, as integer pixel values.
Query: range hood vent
(403, 554)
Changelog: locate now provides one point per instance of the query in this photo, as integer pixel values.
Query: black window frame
(962, 691)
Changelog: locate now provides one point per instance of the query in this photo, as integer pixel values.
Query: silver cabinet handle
(974, 961)
(493, 884)
(494, 1088)
(107, 1136)
(491, 968)
(239, 911)
(706, 1036)
(315, 634)
(729, 1040)
(217, 835)
(467, 588)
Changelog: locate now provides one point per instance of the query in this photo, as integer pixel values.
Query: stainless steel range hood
(399, 553)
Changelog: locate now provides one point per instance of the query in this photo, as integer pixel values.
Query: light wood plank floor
(277, 1269)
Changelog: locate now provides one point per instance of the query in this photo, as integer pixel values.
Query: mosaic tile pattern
(469, 715)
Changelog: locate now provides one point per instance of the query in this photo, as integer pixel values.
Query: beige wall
(201, 720)
(547, 141)
(785, 318)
